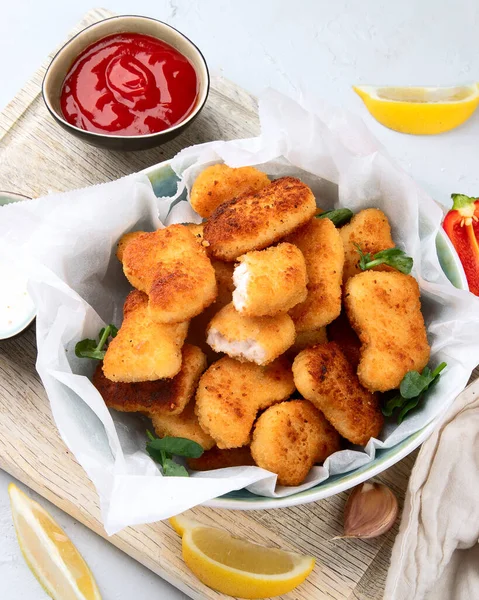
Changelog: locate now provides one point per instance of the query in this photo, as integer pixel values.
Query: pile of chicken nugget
(255, 333)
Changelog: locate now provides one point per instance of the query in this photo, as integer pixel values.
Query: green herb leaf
(173, 469)
(93, 349)
(339, 216)
(394, 257)
(177, 446)
(413, 387)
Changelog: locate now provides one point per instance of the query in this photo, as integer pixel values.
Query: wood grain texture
(36, 157)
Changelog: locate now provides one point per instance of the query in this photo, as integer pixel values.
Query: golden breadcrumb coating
(222, 459)
(323, 375)
(164, 396)
(172, 268)
(198, 325)
(369, 229)
(144, 350)
(384, 309)
(270, 281)
(231, 393)
(256, 339)
(341, 332)
(197, 230)
(305, 339)
(322, 248)
(124, 241)
(219, 183)
(290, 437)
(254, 221)
(183, 425)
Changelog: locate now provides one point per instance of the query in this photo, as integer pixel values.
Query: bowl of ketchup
(126, 83)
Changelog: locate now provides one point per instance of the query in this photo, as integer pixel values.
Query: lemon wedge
(238, 567)
(49, 552)
(420, 110)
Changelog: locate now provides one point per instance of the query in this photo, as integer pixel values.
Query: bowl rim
(146, 136)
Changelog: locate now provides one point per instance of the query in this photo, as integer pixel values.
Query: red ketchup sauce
(129, 84)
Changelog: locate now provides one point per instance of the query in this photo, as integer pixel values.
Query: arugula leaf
(339, 216)
(162, 451)
(394, 257)
(177, 445)
(411, 391)
(93, 349)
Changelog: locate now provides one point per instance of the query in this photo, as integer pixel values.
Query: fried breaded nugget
(222, 459)
(198, 325)
(255, 221)
(231, 393)
(369, 229)
(305, 339)
(219, 183)
(124, 241)
(385, 311)
(197, 230)
(270, 281)
(172, 268)
(324, 376)
(256, 339)
(289, 438)
(341, 332)
(164, 396)
(144, 350)
(183, 425)
(322, 248)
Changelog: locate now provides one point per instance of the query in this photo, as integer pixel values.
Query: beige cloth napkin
(436, 553)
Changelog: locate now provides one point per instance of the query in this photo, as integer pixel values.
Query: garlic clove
(371, 510)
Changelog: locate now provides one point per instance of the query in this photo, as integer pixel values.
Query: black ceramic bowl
(61, 63)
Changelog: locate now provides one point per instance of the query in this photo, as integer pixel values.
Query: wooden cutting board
(36, 157)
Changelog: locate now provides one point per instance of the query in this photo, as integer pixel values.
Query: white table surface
(316, 45)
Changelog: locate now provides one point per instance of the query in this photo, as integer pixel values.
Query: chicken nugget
(369, 229)
(384, 309)
(305, 339)
(254, 221)
(172, 268)
(184, 425)
(324, 376)
(164, 396)
(219, 183)
(290, 437)
(323, 251)
(222, 459)
(124, 241)
(256, 339)
(231, 393)
(341, 332)
(197, 230)
(143, 350)
(270, 281)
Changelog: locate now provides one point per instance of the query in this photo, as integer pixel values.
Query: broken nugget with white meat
(231, 393)
(219, 183)
(271, 281)
(254, 221)
(323, 375)
(221, 459)
(255, 339)
(184, 425)
(144, 350)
(160, 397)
(290, 437)
(323, 251)
(172, 268)
(369, 229)
(384, 309)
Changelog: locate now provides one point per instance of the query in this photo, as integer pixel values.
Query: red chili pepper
(462, 227)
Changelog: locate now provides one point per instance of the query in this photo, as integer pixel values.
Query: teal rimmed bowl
(164, 182)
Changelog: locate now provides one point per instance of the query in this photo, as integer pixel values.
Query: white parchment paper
(67, 242)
